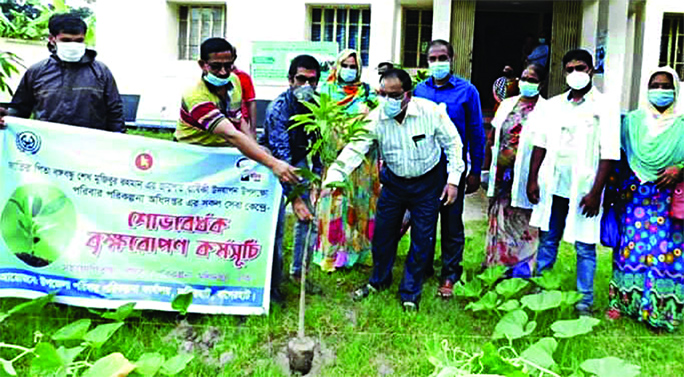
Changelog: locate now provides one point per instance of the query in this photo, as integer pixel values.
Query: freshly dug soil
(300, 352)
(32, 260)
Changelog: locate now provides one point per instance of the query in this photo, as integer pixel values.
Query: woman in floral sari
(648, 266)
(511, 242)
(345, 226)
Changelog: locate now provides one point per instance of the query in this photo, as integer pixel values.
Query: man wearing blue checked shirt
(412, 133)
(463, 106)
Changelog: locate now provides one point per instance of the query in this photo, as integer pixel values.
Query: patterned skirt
(648, 268)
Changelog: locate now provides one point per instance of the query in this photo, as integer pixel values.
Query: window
(348, 26)
(672, 43)
(417, 34)
(197, 23)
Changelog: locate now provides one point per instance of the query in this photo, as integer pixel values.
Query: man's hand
(591, 204)
(313, 196)
(301, 210)
(668, 177)
(285, 172)
(3, 113)
(449, 194)
(533, 191)
(473, 183)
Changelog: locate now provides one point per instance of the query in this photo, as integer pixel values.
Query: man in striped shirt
(411, 133)
(211, 116)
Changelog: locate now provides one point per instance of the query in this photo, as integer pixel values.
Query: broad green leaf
(510, 287)
(69, 354)
(47, 361)
(510, 305)
(541, 352)
(570, 298)
(32, 306)
(8, 367)
(4, 316)
(122, 312)
(73, 331)
(577, 373)
(493, 364)
(100, 334)
(20, 209)
(492, 274)
(112, 365)
(54, 206)
(36, 205)
(176, 364)
(610, 367)
(60, 6)
(542, 301)
(149, 363)
(487, 302)
(514, 325)
(472, 288)
(549, 280)
(574, 327)
(182, 302)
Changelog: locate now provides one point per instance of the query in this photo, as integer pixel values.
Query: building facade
(152, 45)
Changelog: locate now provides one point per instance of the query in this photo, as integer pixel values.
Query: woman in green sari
(648, 266)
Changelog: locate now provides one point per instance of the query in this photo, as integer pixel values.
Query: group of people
(549, 162)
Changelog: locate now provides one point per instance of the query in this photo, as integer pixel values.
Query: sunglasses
(217, 66)
(301, 79)
(578, 68)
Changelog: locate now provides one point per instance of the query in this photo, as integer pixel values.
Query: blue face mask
(661, 97)
(216, 81)
(392, 107)
(347, 74)
(440, 70)
(528, 89)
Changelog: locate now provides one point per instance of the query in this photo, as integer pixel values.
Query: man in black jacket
(70, 86)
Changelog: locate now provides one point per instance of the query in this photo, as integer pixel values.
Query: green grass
(369, 338)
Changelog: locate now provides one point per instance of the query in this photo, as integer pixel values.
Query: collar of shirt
(588, 96)
(451, 82)
(411, 110)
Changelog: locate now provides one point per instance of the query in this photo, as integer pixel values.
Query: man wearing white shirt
(411, 133)
(576, 138)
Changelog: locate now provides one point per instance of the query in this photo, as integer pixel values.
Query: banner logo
(144, 161)
(28, 142)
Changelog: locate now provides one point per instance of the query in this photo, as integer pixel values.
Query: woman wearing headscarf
(345, 226)
(511, 241)
(648, 267)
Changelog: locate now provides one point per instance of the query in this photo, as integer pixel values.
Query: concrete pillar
(615, 53)
(382, 31)
(590, 19)
(441, 19)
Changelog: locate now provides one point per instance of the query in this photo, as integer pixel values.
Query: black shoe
(363, 292)
(409, 306)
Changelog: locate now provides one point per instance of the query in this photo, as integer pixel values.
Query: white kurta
(522, 159)
(596, 125)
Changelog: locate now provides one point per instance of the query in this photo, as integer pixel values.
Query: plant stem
(12, 346)
(302, 286)
(24, 353)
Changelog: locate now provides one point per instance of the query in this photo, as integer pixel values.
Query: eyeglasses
(216, 66)
(578, 68)
(301, 79)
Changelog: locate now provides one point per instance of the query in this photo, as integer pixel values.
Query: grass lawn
(370, 338)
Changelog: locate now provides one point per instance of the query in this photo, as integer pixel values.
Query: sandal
(446, 291)
(363, 292)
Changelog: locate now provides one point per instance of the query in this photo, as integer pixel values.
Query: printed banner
(271, 60)
(105, 219)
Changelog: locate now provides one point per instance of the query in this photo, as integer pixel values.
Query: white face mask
(70, 51)
(578, 80)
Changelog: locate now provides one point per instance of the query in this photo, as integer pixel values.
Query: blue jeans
(548, 250)
(301, 230)
(421, 197)
(277, 267)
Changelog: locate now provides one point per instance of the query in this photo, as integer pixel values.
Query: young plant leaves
(472, 288)
(549, 280)
(492, 274)
(100, 334)
(570, 298)
(69, 354)
(54, 206)
(574, 327)
(122, 312)
(73, 331)
(492, 363)
(509, 305)
(541, 352)
(112, 365)
(149, 363)
(176, 364)
(8, 367)
(32, 306)
(182, 302)
(488, 302)
(509, 287)
(514, 325)
(542, 301)
(36, 205)
(47, 361)
(610, 367)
